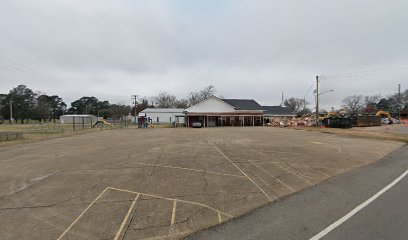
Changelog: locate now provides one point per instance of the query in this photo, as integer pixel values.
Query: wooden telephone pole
(399, 103)
(317, 100)
(11, 111)
(134, 97)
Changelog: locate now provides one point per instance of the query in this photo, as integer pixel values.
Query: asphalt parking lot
(163, 183)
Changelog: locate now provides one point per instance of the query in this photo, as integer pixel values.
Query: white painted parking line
(358, 208)
(277, 179)
(235, 165)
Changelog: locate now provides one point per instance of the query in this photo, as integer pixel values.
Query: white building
(164, 115)
(214, 111)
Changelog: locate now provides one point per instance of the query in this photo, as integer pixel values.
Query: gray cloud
(250, 49)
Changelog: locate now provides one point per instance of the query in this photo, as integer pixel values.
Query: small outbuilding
(78, 119)
(163, 115)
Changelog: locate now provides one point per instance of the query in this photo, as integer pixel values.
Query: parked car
(196, 125)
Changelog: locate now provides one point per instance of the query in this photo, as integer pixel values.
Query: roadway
(307, 213)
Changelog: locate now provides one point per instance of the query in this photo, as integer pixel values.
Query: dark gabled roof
(278, 110)
(243, 104)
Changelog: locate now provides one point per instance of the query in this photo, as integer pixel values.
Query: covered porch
(218, 120)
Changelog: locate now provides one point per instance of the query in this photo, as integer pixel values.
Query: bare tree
(370, 103)
(295, 104)
(354, 104)
(196, 97)
(182, 103)
(165, 100)
(207, 92)
(372, 99)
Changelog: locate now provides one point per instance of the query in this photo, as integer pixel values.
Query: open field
(30, 132)
(163, 183)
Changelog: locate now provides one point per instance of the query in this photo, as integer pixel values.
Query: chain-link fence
(9, 136)
(52, 130)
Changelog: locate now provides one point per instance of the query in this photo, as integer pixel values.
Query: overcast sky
(112, 49)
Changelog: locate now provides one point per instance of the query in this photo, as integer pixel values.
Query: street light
(326, 92)
(314, 92)
(317, 94)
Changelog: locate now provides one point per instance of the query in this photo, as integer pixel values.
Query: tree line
(357, 104)
(30, 105)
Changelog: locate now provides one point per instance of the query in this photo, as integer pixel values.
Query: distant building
(277, 111)
(78, 119)
(163, 115)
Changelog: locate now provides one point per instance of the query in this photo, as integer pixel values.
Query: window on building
(157, 119)
(170, 119)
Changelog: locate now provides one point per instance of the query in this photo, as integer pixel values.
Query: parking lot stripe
(306, 165)
(270, 151)
(173, 199)
(284, 184)
(173, 218)
(126, 217)
(83, 212)
(313, 167)
(297, 175)
(193, 155)
(229, 160)
(219, 217)
(190, 169)
(173, 213)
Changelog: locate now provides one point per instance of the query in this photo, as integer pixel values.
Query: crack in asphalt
(213, 194)
(63, 205)
(38, 180)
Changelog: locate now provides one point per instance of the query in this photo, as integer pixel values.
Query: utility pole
(304, 106)
(317, 100)
(134, 97)
(11, 111)
(399, 103)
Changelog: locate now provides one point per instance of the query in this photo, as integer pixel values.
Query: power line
(365, 73)
(309, 90)
(24, 68)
